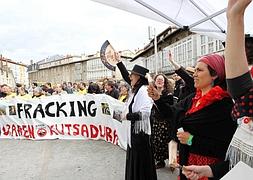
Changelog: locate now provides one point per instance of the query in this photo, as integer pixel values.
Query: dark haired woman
(139, 159)
(160, 134)
(204, 115)
(94, 88)
(240, 85)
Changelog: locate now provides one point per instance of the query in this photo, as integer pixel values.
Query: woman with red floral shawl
(240, 85)
(205, 116)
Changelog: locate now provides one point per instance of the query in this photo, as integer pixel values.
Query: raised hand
(170, 58)
(149, 78)
(117, 56)
(236, 60)
(153, 92)
(236, 7)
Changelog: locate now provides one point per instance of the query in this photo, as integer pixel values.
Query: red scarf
(215, 94)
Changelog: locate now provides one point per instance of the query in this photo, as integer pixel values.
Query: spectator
(160, 134)
(38, 93)
(69, 88)
(7, 92)
(124, 92)
(82, 88)
(75, 87)
(111, 90)
(58, 90)
(94, 88)
(2, 94)
(22, 94)
(33, 85)
(49, 88)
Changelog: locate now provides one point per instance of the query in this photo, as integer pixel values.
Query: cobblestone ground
(64, 160)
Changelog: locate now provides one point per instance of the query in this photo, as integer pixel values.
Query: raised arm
(235, 55)
(179, 70)
(122, 69)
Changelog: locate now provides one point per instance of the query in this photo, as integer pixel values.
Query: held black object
(107, 55)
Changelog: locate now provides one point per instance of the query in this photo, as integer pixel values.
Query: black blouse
(241, 89)
(212, 126)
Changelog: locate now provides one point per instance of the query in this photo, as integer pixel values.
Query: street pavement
(64, 160)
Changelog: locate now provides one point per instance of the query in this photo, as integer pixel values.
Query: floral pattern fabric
(199, 101)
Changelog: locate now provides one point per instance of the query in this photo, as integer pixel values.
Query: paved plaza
(64, 160)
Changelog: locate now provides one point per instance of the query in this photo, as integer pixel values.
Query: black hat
(139, 70)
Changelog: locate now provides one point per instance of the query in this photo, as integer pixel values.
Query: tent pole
(156, 54)
(202, 11)
(208, 18)
(159, 13)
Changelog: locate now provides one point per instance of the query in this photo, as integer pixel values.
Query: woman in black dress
(240, 86)
(140, 163)
(161, 130)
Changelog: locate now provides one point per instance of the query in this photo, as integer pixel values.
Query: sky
(37, 29)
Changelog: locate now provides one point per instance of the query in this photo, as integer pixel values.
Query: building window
(189, 51)
(180, 53)
(203, 49)
(210, 39)
(184, 52)
(202, 39)
(210, 47)
(175, 53)
(221, 45)
(165, 56)
(217, 45)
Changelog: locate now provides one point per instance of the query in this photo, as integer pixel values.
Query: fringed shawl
(241, 146)
(140, 103)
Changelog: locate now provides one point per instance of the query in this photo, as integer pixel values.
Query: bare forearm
(235, 56)
(175, 65)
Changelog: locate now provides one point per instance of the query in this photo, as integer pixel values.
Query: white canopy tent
(206, 17)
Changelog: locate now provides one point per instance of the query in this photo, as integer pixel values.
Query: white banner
(64, 117)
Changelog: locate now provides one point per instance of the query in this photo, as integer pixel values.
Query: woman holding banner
(140, 163)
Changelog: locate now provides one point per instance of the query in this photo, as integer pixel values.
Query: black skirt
(140, 163)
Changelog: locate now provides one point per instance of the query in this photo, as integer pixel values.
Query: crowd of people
(212, 122)
(118, 90)
(207, 111)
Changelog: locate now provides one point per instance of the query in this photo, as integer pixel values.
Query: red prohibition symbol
(41, 132)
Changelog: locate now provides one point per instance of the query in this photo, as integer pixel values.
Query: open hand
(171, 60)
(153, 92)
(170, 57)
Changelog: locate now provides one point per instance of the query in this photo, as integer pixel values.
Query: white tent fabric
(201, 16)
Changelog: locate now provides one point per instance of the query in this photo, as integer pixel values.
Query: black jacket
(184, 86)
(212, 127)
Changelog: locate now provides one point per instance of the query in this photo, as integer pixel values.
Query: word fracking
(56, 109)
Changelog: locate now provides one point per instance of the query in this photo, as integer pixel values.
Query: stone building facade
(12, 72)
(67, 69)
(185, 46)
(74, 69)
